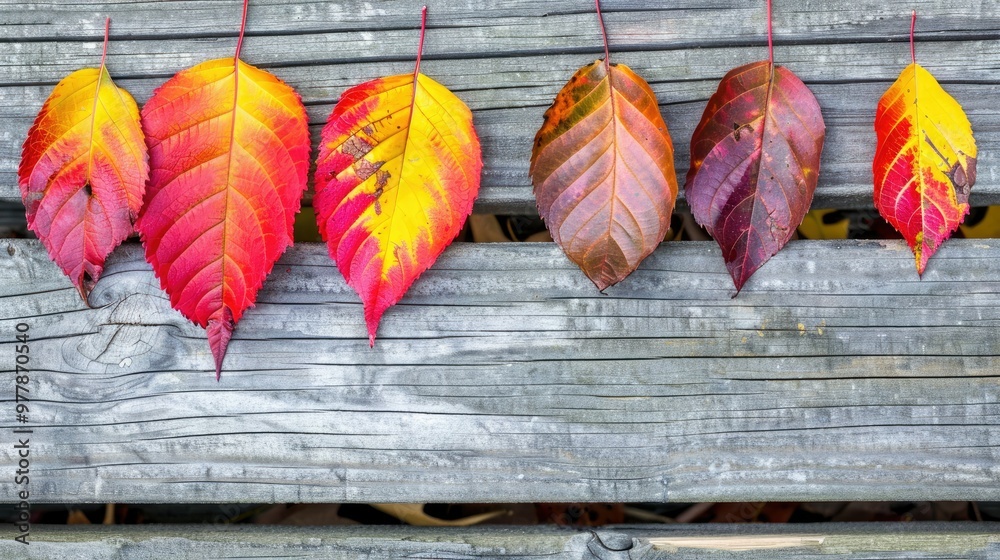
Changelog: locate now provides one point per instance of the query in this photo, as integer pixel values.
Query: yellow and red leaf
(603, 169)
(83, 172)
(925, 161)
(229, 157)
(397, 172)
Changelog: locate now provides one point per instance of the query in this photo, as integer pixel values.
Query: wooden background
(504, 376)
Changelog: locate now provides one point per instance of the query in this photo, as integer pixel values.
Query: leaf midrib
(756, 173)
(614, 167)
(229, 185)
(920, 167)
(399, 186)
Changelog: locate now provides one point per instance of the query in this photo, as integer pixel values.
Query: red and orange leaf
(229, 157)
(925, 162)
(397, 173)
(83, 172)
(754, 163)
(603, 170)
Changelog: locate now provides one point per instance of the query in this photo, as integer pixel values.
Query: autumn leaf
(398, 170)
(603, 170)
(925, 161)
(229, 157)
(755, 162)
(83, 172)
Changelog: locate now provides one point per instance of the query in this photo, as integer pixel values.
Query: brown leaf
(77, 517)
(486, 229)
(603, 169)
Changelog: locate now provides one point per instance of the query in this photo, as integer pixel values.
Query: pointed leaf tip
(84, 285)
(84, 294)
(220, 331)
(739, 276)
(373, 316)
(600, 283)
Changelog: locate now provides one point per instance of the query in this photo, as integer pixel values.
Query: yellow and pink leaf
(397, 173)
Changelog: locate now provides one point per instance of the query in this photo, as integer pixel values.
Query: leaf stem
(913, 26)
(420, 47)
(770, 35)
(604, 35)
(243, 28)
(107, 30)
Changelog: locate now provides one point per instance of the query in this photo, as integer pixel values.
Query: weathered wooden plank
(532, 22)
(842, 541)
(836, 374)
(507, 61)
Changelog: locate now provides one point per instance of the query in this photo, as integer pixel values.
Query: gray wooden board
(504, 376)
(508, 59)
(744, 542)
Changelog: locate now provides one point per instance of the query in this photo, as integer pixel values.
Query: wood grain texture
(839, 541)
(507, 61)
(504, 376)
